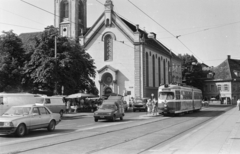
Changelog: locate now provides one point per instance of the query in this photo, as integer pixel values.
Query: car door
(49, 105)
(35, 118)
(45, 116)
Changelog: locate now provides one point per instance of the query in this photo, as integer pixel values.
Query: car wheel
(51, 126)
(21, 130)
(134, 110)
(96, 119)
(61, 113)
(113, 118)
(121, 118)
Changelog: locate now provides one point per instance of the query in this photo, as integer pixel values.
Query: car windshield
(139, 101)
(18, 111)
(108, 106)
(166, 95)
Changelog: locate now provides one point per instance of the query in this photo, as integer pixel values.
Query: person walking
(155, 106)
(238, 103)
(149, 106)
(68, 106)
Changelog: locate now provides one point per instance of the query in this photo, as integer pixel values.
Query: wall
(123, 59)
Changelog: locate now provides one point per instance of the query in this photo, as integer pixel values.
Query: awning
(81, 95)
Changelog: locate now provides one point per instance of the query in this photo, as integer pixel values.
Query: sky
(206, 29)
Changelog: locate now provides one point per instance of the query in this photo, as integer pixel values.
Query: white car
(20, 119)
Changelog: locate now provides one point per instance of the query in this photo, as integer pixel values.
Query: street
(137, 133)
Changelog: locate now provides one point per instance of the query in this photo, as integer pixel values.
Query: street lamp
(152, 95)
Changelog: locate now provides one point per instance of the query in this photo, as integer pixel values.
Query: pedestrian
(154, 107)
(149, 106)
(238, 103)
(68, 106)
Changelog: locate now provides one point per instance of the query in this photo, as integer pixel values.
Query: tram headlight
(165, 105)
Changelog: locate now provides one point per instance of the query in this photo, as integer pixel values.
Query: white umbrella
(78, 95)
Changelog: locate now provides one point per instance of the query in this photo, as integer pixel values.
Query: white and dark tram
(175, 99)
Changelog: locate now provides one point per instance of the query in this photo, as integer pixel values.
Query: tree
(72, 68)
(192, 71)
(11, 62)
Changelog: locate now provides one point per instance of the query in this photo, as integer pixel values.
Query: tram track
(112, 131)
(71, 140)
(98, 150)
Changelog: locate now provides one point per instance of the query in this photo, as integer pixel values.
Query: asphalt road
(137, 133)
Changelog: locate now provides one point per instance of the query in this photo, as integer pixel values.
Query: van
(8, 100)
(54, 103)
(111, 109)
(140, 104)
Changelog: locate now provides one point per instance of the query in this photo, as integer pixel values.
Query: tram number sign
(166, 90)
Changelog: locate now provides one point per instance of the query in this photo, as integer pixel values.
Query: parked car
(140, 104)
(111, 109)
(20, 119)
(54, 103)
(8, 100)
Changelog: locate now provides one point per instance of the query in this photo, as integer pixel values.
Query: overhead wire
(129, 21)
(43, 10)
(164, 29)
(209, 28)
(22, 16)
(19, 26)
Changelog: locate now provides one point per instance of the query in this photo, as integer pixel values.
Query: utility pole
(55, 52)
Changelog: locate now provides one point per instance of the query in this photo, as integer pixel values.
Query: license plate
(101, 116)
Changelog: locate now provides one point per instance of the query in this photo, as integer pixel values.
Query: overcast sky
(207, 29)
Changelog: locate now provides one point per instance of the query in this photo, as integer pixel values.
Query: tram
(175, 99)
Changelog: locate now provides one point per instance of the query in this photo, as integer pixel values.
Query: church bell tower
(71, 17)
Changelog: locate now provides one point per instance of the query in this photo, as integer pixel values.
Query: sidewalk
(218, 136)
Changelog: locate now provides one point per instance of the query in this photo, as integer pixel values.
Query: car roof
(27, 105)
(141, 98)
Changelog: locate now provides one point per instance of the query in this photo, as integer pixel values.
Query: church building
(129, 61)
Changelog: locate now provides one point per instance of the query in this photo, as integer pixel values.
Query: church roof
(228, 70)
(149, 41)
(28, 38)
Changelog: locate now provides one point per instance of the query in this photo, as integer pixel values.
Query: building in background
(129, 61)
(226, 82)
(176, 69)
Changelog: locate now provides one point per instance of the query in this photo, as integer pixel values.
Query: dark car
(111, 109)
(140, 104)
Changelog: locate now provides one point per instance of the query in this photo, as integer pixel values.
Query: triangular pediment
(107, 68)
(116, 22)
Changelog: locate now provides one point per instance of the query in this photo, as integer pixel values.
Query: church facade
(129, 61)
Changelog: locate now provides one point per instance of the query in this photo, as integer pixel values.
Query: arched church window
(169, 77)
(164, 71)
(64, 9)
(159, 70)
(153, 63)
(108, 48)
(147, 71)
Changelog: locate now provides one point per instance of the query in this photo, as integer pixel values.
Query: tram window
(178, 95)
(166, 95)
